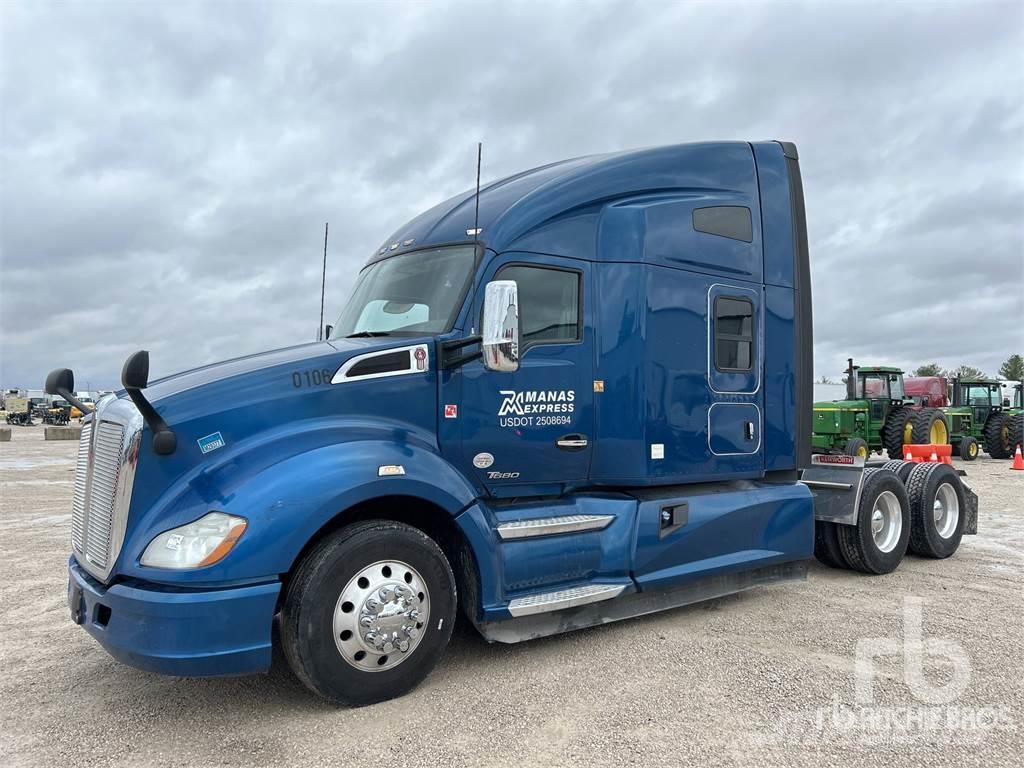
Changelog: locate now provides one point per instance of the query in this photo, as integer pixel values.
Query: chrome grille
(81, 475)
(106, 466)
(107, 455)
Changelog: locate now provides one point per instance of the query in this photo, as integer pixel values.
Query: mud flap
(971, 517)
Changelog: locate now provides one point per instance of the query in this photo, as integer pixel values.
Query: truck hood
(314, 354)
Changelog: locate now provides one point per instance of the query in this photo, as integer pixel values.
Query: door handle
(573, 442)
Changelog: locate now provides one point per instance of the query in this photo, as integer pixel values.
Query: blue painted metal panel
(779, 380)
(726, 529)
(499, 418)
(776, 213)
(195, 634)
(734, 428)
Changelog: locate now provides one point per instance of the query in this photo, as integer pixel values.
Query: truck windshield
(409, 294)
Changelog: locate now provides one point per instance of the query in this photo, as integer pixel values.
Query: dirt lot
(767, 676)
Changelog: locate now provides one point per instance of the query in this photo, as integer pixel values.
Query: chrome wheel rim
(380, 616)
(946, 510)
(886, 521)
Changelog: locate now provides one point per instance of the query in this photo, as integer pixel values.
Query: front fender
(288, 501)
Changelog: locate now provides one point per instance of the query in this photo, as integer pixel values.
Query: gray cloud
(166, 170)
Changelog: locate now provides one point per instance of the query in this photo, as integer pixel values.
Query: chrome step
(565, 598)
(547, 526)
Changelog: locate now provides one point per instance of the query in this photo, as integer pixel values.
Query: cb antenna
(476, 214)
(323, 285)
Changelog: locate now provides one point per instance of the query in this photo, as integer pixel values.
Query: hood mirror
(500, 331)
(62, 382)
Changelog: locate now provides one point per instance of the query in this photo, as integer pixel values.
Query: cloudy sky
(166, 169)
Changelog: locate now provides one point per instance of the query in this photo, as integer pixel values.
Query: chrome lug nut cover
(388, 606)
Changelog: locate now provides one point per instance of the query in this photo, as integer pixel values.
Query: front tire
(856, 446)
(368, 613)
(968, 449)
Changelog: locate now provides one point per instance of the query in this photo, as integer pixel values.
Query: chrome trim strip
(566, 598)
(826, 484)
(548, 526)
(341, 375)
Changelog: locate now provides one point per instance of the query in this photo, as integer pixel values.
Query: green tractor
(875, 416)
(979, 414)
(1015, 410)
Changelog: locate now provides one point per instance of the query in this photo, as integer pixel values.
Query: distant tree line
(1011, 370)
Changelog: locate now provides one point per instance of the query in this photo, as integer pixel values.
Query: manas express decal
(536, 408)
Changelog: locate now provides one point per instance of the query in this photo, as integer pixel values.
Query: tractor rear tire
(968, 448)
(894, 431)
(938, 510)
(856, 446)
(826, 545)
(930, 427)
(1016, 432)
(997, 437)
(878, 542)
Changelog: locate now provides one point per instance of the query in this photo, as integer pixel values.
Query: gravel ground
(767, 676)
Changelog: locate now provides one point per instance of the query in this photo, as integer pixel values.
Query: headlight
(200, 543)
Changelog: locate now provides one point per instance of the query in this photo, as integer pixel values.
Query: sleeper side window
(734, 334)
(549, 303)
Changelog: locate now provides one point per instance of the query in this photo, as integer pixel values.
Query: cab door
(534, 426)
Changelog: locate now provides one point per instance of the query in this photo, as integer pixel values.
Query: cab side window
(549, 303)
(734, 334)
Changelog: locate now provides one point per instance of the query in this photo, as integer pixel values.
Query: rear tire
(343, 667)
(938, 509)
(1016, 432)
(968, 449)
(997, 436)
(826, 545)
(901, 468)
(856, 446)
(930, 427)
(877, 543)
(894, 431)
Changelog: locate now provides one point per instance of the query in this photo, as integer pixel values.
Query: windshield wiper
(367, 334)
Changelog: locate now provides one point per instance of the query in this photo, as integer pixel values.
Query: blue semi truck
(576, 395)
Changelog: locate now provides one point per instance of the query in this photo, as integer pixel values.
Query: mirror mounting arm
(135, 378)
(450, 358)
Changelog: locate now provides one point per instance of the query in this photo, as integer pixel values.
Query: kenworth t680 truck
(579, 395)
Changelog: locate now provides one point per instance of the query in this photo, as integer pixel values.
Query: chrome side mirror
(500, 331)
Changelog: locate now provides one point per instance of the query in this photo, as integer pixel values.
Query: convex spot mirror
(500, 331)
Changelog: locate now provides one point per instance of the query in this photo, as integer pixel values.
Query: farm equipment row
(879, 414)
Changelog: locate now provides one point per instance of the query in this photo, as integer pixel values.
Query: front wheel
(856, 446)
(368, 613)
(968, 449)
